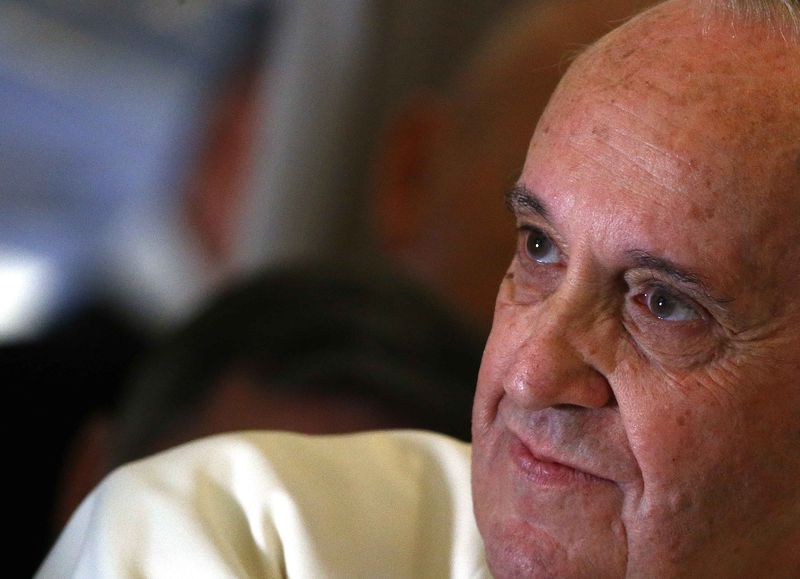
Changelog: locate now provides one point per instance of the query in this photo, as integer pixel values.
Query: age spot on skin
(509, 275)
(702, 214)
(601, 132)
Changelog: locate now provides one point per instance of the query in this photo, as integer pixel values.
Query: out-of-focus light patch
(25, 296)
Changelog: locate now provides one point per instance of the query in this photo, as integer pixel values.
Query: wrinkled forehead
(710, 104)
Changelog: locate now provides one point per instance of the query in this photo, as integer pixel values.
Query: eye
(666, 306)
(540, 248)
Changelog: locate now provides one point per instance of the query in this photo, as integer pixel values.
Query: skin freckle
(509, 275)
(702, 214)
(600, 131)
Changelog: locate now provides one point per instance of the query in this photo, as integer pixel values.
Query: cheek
(497, 363)
(490, 385)
(706, 473)
(671, 515)
(668, 420)
(510, 329)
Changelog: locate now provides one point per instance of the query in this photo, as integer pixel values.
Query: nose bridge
(569, 315)
(567, 311)
(553, 362)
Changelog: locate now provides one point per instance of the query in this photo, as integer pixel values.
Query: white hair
(782, 16)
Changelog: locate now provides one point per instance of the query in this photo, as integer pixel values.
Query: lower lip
(545, 473)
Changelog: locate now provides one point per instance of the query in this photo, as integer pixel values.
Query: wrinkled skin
(638, 406)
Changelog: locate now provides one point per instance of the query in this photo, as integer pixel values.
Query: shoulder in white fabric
(389, 504)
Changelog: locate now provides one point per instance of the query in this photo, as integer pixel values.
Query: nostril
(568, 407)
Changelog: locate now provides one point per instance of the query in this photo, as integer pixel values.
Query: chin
(549, 532)
(514, 549)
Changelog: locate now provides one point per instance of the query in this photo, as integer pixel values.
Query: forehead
(679, 129)
(700, 94)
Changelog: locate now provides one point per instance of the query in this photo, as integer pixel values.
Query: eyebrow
(522, 200)
(646, 260)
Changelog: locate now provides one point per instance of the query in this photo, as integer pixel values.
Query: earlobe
(405, 170)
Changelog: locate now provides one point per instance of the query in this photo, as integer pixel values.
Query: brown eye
(540, 248)
(666, 306)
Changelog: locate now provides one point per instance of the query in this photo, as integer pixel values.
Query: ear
(405, 172)
(213, 190)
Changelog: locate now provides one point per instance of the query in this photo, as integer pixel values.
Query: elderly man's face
(638, 407)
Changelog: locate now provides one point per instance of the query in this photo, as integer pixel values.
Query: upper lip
(545, 452)
(587, 443)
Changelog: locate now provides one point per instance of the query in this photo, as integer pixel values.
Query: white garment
(383, 504)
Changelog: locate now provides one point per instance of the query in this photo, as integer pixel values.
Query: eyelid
(534, 222)
(649, 278)
(648, 285)
(526, 230)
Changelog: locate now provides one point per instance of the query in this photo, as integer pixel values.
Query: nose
(555, 361)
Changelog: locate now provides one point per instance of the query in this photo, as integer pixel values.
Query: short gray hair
(782, 16)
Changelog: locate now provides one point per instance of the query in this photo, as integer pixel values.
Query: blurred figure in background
(148, 97)
(336, 83)
(449, 156)
(103, 109)
(324, 349)
(442, 147)
(318, 44)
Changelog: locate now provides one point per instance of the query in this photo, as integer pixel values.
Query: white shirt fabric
(258, 504)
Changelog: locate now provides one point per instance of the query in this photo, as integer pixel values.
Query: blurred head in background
(449, 156)
(338, 73)
(316, 349)
(274, 151)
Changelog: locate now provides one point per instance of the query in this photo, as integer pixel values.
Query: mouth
(547, 471)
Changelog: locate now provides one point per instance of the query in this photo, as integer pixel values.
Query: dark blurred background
(152, 151)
